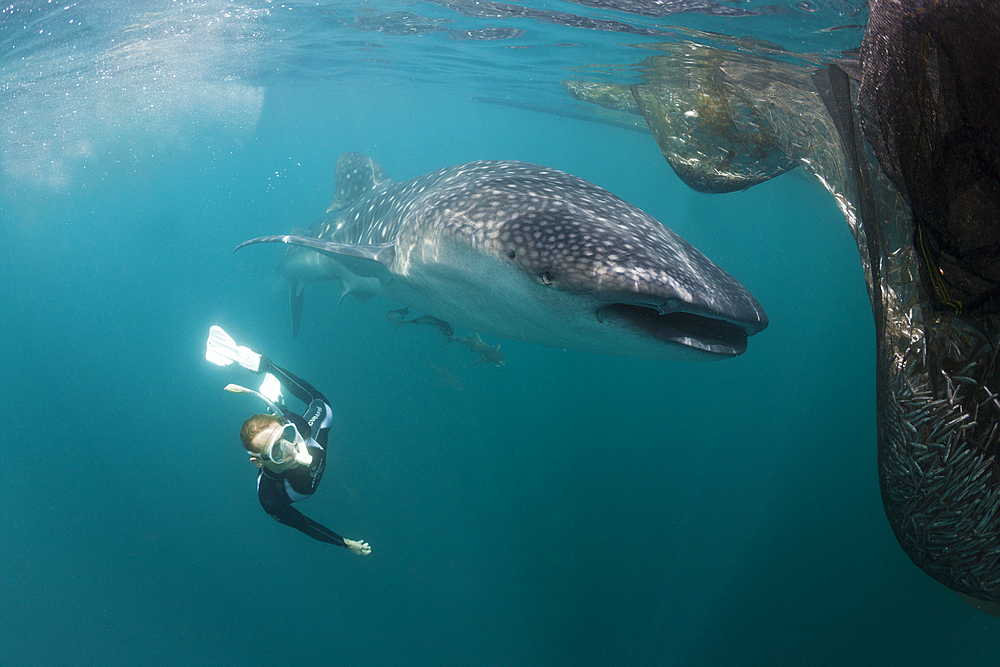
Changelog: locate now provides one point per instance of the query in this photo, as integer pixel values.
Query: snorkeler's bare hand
(360, 548)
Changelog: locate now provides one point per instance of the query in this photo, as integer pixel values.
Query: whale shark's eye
(511, 253)
(545, 277)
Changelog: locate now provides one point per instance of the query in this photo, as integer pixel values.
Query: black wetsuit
(278, 490)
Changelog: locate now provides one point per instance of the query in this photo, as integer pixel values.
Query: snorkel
(271, 387)
(237, 389)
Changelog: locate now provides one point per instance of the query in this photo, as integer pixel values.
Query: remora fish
(477, 345)
(522, 252)
(446, 376)
(398, 317)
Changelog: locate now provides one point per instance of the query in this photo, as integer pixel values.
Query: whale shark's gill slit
(697, 331)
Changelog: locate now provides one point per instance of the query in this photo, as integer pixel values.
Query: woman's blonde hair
(253, 426)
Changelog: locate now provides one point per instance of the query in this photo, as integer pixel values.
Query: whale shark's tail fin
(356, 175)
(300, 268)
(296, 297)
(355, 267)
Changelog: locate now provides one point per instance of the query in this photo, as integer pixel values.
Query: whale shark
(522, 252)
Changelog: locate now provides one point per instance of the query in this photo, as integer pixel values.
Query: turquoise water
(564, 509)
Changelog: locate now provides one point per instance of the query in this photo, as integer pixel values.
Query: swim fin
(223, 350)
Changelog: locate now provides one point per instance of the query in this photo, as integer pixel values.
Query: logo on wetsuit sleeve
(318, 409)
(315, 472)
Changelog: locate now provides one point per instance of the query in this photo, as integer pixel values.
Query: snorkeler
(289, 449)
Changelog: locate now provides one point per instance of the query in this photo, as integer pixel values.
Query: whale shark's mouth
(709, 334)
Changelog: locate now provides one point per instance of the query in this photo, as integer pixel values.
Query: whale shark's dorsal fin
(357, 175)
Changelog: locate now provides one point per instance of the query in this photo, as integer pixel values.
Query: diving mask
(282, 446)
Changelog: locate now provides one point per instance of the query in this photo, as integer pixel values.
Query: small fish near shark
(522, 252)
(399, 318)
(488, 353)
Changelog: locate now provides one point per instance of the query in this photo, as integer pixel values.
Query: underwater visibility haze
(564, 508)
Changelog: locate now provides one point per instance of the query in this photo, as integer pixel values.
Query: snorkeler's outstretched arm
(288, 515)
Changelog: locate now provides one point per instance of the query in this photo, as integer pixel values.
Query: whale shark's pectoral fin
(358, 296)
(366, 261)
